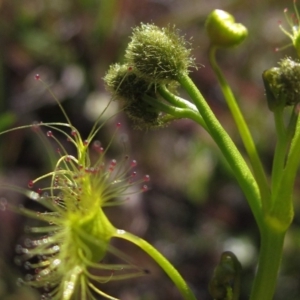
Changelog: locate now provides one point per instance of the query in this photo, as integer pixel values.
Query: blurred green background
(194, 209)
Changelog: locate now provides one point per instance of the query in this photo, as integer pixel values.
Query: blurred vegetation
(194, 210)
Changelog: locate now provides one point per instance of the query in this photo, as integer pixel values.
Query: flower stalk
(161, 261)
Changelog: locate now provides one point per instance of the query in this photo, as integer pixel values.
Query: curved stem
(292, 124)
(293, 158)
(178, 113)
(280, 150)
(269, 263)
(161, 260)
(245, 134)
(228, 148)
(175, 100)
(282, 205)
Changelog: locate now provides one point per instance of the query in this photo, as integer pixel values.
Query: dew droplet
(45, 297)
(118, 125)
(20, 282)
(96, 144)
(47, 287)
(33, 195)
(37, 77)
(28, 243)
(19, 249)
(68, 158)
(35, 126)
(3, 204)
(30, 184)
(133, 163)
(146, 178)
(25, 251)
(74, 132)
(144, 188)
(18, 261)
(27, 265)
(28, 277)
(55, 248)
(113, 163)
(49, 133)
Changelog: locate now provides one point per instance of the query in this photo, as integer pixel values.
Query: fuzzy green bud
(282, 84)
(159, 55)
(226, 277)
(223, 31)
(125, 85)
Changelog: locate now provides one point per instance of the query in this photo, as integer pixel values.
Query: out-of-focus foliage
(194, 210)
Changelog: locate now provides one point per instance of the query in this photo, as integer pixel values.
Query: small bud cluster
(283, 83)
(155, 56)
(126, 86)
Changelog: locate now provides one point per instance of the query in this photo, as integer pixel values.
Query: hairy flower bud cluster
(126, 86)
(159, 55)
(282, 84)
(155, 56)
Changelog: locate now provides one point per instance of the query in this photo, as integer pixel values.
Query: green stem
(161, 260)
(292, 124)
(245, 134)
(237, 280)
(228, 148)
(175, 100)
(280, 150)
(293, 158)
(282, 205)
(178, 113)
(269, 263)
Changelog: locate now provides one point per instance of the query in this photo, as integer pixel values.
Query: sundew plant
(65, 253)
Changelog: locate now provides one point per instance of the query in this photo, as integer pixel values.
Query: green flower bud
(223, 31)
(282, 84)
(125, 85)
(226, 276)
(136, 112)
(159, 55)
